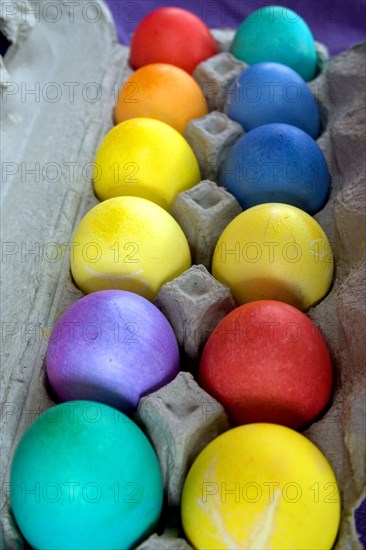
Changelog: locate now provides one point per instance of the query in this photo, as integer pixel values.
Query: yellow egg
(128, 243)
(145, 158)
(277, 252)
(261, 486)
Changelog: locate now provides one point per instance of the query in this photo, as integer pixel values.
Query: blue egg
(277, 163)
(271, 92)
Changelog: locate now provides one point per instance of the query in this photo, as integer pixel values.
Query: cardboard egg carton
(52, 131)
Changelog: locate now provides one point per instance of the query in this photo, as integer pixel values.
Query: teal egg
(84, 476)
(276, 33)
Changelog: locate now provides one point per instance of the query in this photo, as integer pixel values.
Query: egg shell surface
(261, 486)
(274, 251)
(171, 35)
(146, 158)
(163, 92)
(95, 478)
(271, 92)
(267, 362)
(111, 346)
(128, 243)
(277, 163)
(276, 33)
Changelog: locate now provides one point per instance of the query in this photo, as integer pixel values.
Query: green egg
(276, 33)
(84, 476)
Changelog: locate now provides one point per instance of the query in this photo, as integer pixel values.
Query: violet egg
(111, 346)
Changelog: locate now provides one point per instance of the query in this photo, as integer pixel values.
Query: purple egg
(111, 346)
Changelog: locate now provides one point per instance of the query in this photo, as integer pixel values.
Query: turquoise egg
(276, 33)
(85, 476)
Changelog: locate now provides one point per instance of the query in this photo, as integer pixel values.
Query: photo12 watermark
(273, 252)
(69, 171)
(86, 492)
(68, 92)
(51, 11)
(71, 412)
(68, 332)
(53, 252)
(269, 492)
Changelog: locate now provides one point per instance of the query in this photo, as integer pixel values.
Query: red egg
(171, 35)
(267, 362)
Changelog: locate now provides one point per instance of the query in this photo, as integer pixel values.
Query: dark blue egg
(277, 163)
(270, 92)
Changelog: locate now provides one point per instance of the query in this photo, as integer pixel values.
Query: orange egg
(163, 92)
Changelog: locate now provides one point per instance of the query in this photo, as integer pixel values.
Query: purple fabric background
(337, 23)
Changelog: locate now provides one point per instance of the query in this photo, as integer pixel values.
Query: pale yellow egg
(128, 243)
(274, 251)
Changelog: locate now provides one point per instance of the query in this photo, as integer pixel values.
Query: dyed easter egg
(111, 346)
(276, 33)
(85, 476)
(163, 92)
(274, 252)
(128, 243)
(267, 362)
(277, 163)
(261, 486)
(171, 35)
(271, 92)
(145, 158)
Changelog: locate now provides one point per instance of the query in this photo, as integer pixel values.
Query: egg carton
(49, 146)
